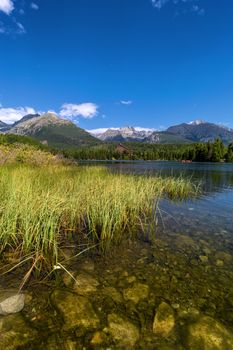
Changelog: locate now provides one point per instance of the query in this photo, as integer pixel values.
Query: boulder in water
(164, 321)
(124, 333)
(136, 293)
(77, 311)
(208, 334)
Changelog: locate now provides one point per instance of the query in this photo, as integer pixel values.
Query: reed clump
(41, 206)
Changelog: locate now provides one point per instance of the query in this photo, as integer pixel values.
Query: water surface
(212, 211)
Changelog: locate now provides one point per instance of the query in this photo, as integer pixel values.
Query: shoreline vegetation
(47, 204)
(197, 152)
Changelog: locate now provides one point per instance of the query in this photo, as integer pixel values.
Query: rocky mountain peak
(35, 123)
(126, 133)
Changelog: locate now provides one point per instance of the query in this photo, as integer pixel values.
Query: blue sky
(106, 63)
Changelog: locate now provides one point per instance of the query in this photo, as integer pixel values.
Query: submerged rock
(136, 293)
(226, 257)
(186, 242)
(57, 343)
(88, 266)
(164, 321)
(76, 310)
(68, 279)
(12, 304)
(219, 263)
(98, 338)
(14, 333)
(85, 284)
(204, 259)
(207, 251)
(131, 279)
(208, 334)
(124, 333)
(190, 314)
(113, 294)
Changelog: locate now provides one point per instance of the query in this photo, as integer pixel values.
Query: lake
(170, 289)
(213, 210)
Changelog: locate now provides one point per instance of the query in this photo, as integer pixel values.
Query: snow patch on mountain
(197, 122)
(126, 132)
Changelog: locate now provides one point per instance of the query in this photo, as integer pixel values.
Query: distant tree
(229, 155)
(144, 151)
(201, 152)
(218, 150)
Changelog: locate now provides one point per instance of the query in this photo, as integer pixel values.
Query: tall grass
(40, 207)
(27, 154)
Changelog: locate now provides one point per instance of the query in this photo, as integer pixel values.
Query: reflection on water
(214, 176)
(212, 211)
(174, 292)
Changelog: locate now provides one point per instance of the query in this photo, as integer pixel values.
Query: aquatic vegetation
(42, 208)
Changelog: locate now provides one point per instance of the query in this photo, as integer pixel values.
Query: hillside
(3, 126)
(53, 131)
(25, 150)
(164, 137)
(10, 139)
(200, 131)
(26, 118)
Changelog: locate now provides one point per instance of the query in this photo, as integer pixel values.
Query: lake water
(213, 210)
(172, 290)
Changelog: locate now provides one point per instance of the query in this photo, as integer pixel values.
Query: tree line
(203, 152)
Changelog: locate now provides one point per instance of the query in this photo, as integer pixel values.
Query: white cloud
(197, 9)
(2, 28)
(13, 28)
(139, 128)
(20, 28)
(98, 131)
(159, 3)
(34, 6)
(127, 103)
(194, 8)
(11, 115)
(83, 110)
(6, 6)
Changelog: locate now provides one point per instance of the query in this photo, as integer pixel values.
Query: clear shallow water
(213, 210)
(186, 263)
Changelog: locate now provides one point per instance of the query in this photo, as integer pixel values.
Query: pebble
(12, 304)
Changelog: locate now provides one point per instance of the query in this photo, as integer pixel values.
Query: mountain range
(124, 134)
(201, 131)
(197, 131)
(61, 133)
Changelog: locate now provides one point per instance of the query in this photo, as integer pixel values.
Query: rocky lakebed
(172, 293)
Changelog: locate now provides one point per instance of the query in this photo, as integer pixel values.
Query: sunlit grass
(42, 206)
(27, 154)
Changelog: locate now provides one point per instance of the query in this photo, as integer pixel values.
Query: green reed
(41, 206)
